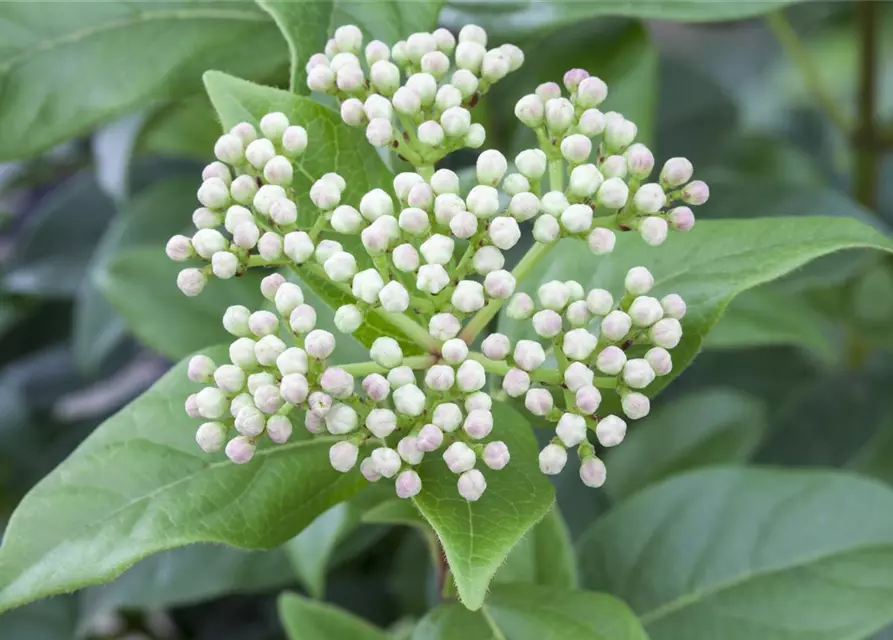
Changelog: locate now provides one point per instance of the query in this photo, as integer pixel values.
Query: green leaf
(750, 553)
(514, 19)
(142, 286)
(45, 620)
(305, 27)
(529, 612)
(74, 66)
(305, 619)
(707, 266)
(139, 485)
(396, 511)
(388, 20)
(714, 426)
(187, 128)
(545, 556)
(477, 536)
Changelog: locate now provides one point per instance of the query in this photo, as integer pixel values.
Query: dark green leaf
(545, 556)
(714, 426)
(139, 485)
(388, 20)
(396, 511)
(477, 536)
(453, 622)
(305, 27)
(307, 620)
(188, 128)
(53, 619)
(750, 553)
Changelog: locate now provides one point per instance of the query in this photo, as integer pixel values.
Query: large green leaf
(714, 426)
(477, 536)
(545, 556)
(707, 266)
(54, 619)
(750, 553)
(529, 612)
(305, 619)
(388, 20)
(514, 19)
(67, 68)
(187, 128)
(139, 484)
(305, 27)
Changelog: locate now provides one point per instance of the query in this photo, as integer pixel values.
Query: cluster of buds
(430, 261)
(416, 96)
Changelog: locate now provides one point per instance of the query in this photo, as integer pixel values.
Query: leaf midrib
(122, 23)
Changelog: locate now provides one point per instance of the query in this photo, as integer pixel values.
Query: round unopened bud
(407, 102)
(578, 344)
(201, 369)
(283, 212)
(524, 205)
(471, 376)
(213, 193)
(577, 313)
(447, 206)
(588, 398)
(382, 423)
(612, 194)
(521, 306)
(414, 221)
(619, 133)
(681, 218)
(553, 295)
(325, 194)
(447, 416)
(319, 344)
(495, 65)
(366, 285)
(245, 132)
(385, 77)
(559, 114)
(258, 380)
(499, 284)
(676, 172)
(635, 405)
(279, 429)
(419, 44)
(207, 242)
(250, 421)
(346, 219)
(578, 375)
(515, 184)
(298, 246)
(326, 249)
(269, 246)
(435, 63)
(429, 438)
(179, 248)
(591, 92)
(240, 449)
(496, 346)
(575, 290)
(236, 215)
(320, 403)
(348, 38)
(601, 241)
(279, 171)
(341, 267)
(645, 311)
(585, 180)
(660, 360)
(292, 360)
(445, 181)
(531, 163)
(211, 403)
(313, 423)
(263, 323)
(487, 260)
(476, 136)
(394, 297)
(616, 325)
(287, 298)
(408, 484)
(268, 349)
(459, 457)
(593, 472)
(377, 50)
(483, 201)
(465, 81)
(386, 352)
(516, 382)
(447, 97)
(424, 85)
(408, 449)
(224, 265)
(379, 132)
(577, 218)
(552, 459)
(614, 167)
(673, 306)
(229, 149)
(438, 249)
(650, 198)
(591, 123)
(210, 436)
(638, 281)
(343, 456)
(191, 281)
(555, 202)
(341, 419)
(369, 470)
(546, 229)
(235, 320)
(610, 431)
(470, 55)
(375, 204)
(430, 133)
(454, 351)
(576, 148)
(204, 218)
(637, 373)
(611, 360)
(241, 353)
(573, 78)
(348, 318)
(268, 399)
(444, 326)
(547, 323)
(491, 166)
(464, 224)
(191, 406)
(529, 355)
(350, 79)
(294, 141)
(432, 278)
(571, 429)
(666, 333)
(376, 386)
(471, 485)
(639, 160)
(337, 382)
(504, 232)
(696, 192)
(440, 377)
(386, 461)
(496, 455)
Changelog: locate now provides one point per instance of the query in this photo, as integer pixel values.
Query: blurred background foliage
(785, 109)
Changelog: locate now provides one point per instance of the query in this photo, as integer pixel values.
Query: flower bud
(515, 184)
(408, 449)
(447, 206)
(385, 77)
(520, 307)
(577, 313)
(343, 456)
(238, 214)
(499, 284)
(496, 455)
(487, 260)
(445, 182)
(637, 373)
(619, 133)
(554, 203)
(241, 353)
(269, 246)
(377, 50)
(210, 436)
(559, 115)
(419, 44)
(429, 439)
(552, 459)
(320, 403)
(440, 377)
(229, 149)
(553, 295)
(459, 457)
(438, 249)
(292, 360)
(279, 171)
(386, 461)
(325, 194)
(204, 218)
(398, 53)
(191, 281)
(593, 472)
(585, 180)
(326, 249)
(696, 192)
(491, 166)
(376, 237)
(191, 406)
(386, 352)
(235, 320)
(591, 92)
(394, 297)
(470, 55)
(635, 405)
(346, 219)
(379, 132)
(381, 423)
(350, 79)
(279, 429)
(571, 429)
(531, 163)
(577, 375)
(638, 281)
(337, 382)
(213, 193)
(376, 387)
(179, 248)
(578, 344)
(650, 198)
(676, 172)
(504, 232)
(408, 484)
(267, 349)
(577, 218)
(298, 246)
(414, 221)
(319, 344)
(240, 449)
(340, 267)
(516, 382)
(348, 318)
(495, 65)
(347, 38)
(341, 419)
(601, 241)
(366, 286)
(496, 346)
(424, 86)
(294, 141)
(268, 399)
(283, 212)
(576, 148)
(432, 278)
(207, 242)
(201, 369)
(407, 102)
(447, 416)
(245, 132)
(211, 403)
(250, 421)
(471, 376)
(673, 306)
(258, 380)
(575, 290)
(546, 229)
(640, 161)
(591, 123)
(483, 201)
(573, 78)
(614, 167)
(611, 360)
(588, 398)
(465, 81)
(444, 326)
(435, 63)
(616, 325)
(645, 311)
(610, 431)
(666, 333)
(375, 204)
(529, 355)
(476, 136)
(471, 485)
(224, 265)
(447, 97)
(430, 133)
(313, 423)
(613, 193)
(547, 323)
(478, 401)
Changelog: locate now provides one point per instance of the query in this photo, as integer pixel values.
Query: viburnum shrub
(433, 266)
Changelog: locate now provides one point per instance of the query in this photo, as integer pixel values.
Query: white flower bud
(516, 382)
(201, 369)
(593, 472)
(179, 248)
(635, 405)
(294, 141)
(514, 55)
(495, 65)
(520, 307)
(379, 132)
(588, 398)
(430, 133)
(385, 77)
(343, 456)
(279, 429)
(496, 455)
(676, 172)
(224, 265)
(639, 160)
(591, 123)
(504, 232)
(341, 419)
(432, 278)
(326, 249)
(571, 429)
(638, 281)
(246, 235)
(229, 149)
(601, 241)
(673, 306)
(666, 333)
(438, 249)
(366, 286)
(491, 166)
(463, 224)
(552, 459)
(468, 296)
(287, 298)
(211, 403)
(419, 44)
(245, 132)
(470, 55)
(387, 461)
(424, 85)
(531, 163)
(576, 148)
(610, 431)
(553, 295)
(325, 194)
(530, 111)
(282, 212)
(408, 449)
(349, 78)
(447, 416)
(279, 171)
(529, 355)
(577, 313)
(268, 399)
(471, 376)
(546, 229)
(298, 246)
(681, 218)
(376, 238)
(465, 81)
(408, 484)
(348, 38)
(250, 421)
(210, 436)
(483, 201)
(241, 353)
(619, 133)
(496, 346)
(547, 323)
(394, 297)
(554, 203)
(440, 377)
(267, 349)
(611, 360)
(191, 406)
(320, 403)
(435, 63)
(454, 351)
(260, 152)
(696, 193)
(471, 485)
(585, 180)
(488, 259)
(405, 258)
(637, 373)
(478, 401)
(524, 205)
(191, 281)
(341, 267)
(263, 323)
(235, 320)
(369, 470)
(377, 50)
(591, 92)
(258, 380)
(337, 382)
(407, 102)
(476, 136)
(429, 439)
(444, 326)
(313, 423)
(499, 284)
(348, 318)
(204, 218)
(448, 97)
(515, 184)
(650, 198)
(207, 242)
(240, 449)
(578, 375)
(559, 115)
(573, 78)
(292, 360)
(613, 193)
(578, 344)
(459, 457)
(645, 311)
(614, 167)
(269, 246)
(346, 219)
(319, 344)
(577, 218)
(414, 221)
(376, 386)
(386, 352)
(382, 423)
(213, 193)
(447, 206)
(616, 325)
(375, 204)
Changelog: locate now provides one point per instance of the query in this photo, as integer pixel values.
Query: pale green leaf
(452, 621)
(388, 20)
(477, 536)
(305, 27)
(545, 556)
(139, 484)
(750, 553)
(305, 619)
(70, 67)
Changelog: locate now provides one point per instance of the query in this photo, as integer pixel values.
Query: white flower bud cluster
(606, 190)
(415, 96)
(602, 346)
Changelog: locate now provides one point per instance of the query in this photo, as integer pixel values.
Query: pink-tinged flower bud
(516, 382)
(191, 406)
(315, 60)
(229, 378)
(345, 219)
(320, 403)
(376, 387)
(350, 79)
(447, 416)
(487, 260)
(294, 141)
(250, 421)
(585, 180)
(210, 436)
(381, 423)
(666, 333)
(483, 201)
(496, 346)
(429, 439)
(386, 461)
(179, 248)
(650, 198)
(470, 55)
(207, 242)
(491, 167)
(366, 286)
(571, 429)
(640, 161)
(408, 449)
(619, 133)
(547, 323)
(653, 230)
(459, 457)
(283, 212)
(611, 360)
(352, 112)
(400, 377)
(465, 81)
(573, 78)
(298, 246)
(660, 360)
(546, 229)
(319, 344)
(258, 380)
(292, 360)
(638, 281)
(591, 123)
(348, 38)
(524, 205)
(440, 377)
(240, 449)
(456, 122)
(616, 325)
(531, 163)
(471, 485)
(260, 152)
(553, 295)
(214, 193)
(245, 132)
(473, 33)
(681, 219)
(201, 369)
(432, 278)
(430, 133)
(376, 237)
(468, 296)
(577, 218)
(435, 63)
(385, 77)
(576, 148)
(676, 172)
(375, 204)
(343, 456)
(269, 246)
(601, 241)
(444, 326)
(438, 249)
(578, 344)
(348, 318)
(326, 249)
(424, 85)
(414, 221)
(479, 401)
(313, 423)
(274, 124)
(499, 284)
(637, 373)
(514, 55)
(591, 92)
(463, 224)
(407, 102)
(529, 355)
(673, 306)
(520, 307)
(610, 431)
(337, 382)
(496, 455)
(635, 405)
(593, 472)
(577, 313)
(240, 402)
(588, 399)
(369, 471)
(229, 149)
(576, 376)
(421, 196)
(645, 311)
(614, 167)
(341, 267)
(548, 91)
(419, 44)
(204, 218)
(263, 323)
(386, 352)
(341, 419)
(409, 400)
(552, 459)
(444, 40)
(454, 351)
(696, 192)
(408, 484)
(191, 281)
(279, 171)
(471, 376)
(559, 115)
(613, 193)
(325, 194)
(241, 353)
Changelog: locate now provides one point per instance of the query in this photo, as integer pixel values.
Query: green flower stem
(483, 317)
(500, 368)
(318, 226)
(365, 368)
(425, 170)
(563, 364)
(556, 175)
(257, 261)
